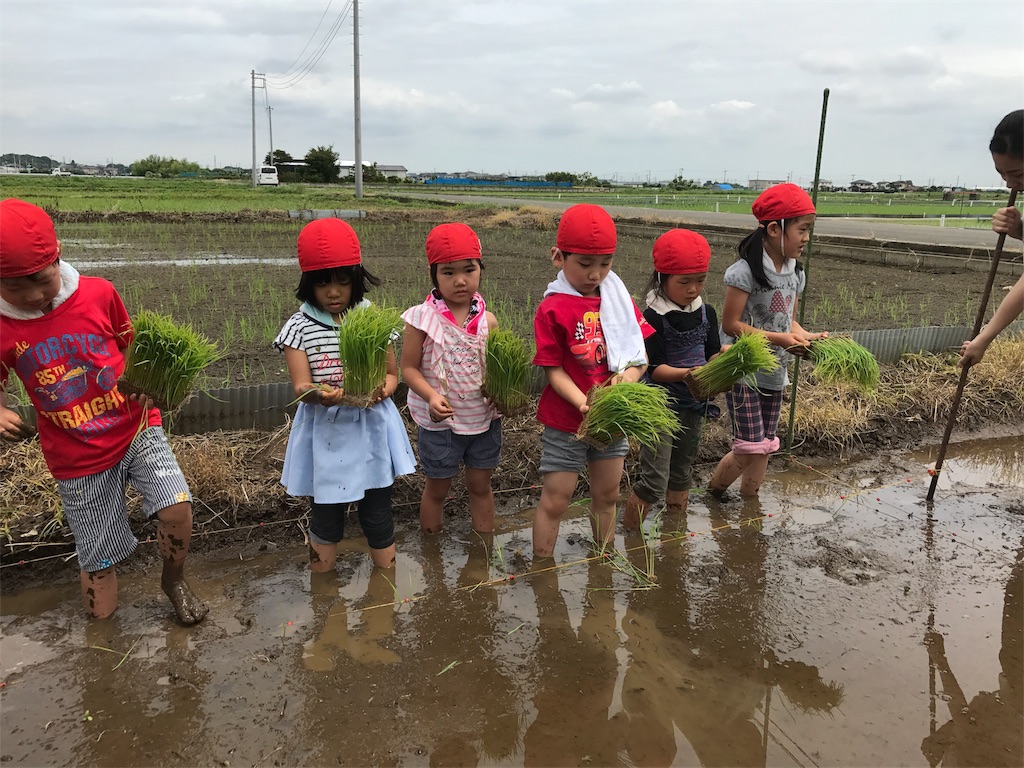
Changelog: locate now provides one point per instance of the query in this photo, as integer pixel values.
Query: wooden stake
(978, 322)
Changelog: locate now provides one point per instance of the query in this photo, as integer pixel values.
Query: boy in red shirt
(589, 333)
(64, 335)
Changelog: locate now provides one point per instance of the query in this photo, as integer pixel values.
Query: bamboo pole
(807, 272)
(954, 409)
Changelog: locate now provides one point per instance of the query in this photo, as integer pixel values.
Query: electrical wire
(280, 83)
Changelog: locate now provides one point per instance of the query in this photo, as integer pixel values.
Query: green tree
(164, 167)
(280, 156)
(322, 165)
(560, 176)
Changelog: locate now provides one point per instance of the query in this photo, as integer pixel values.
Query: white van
(267, 175)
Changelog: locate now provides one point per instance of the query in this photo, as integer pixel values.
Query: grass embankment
(235, 476)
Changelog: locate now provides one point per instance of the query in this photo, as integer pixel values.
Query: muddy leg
(635, 512)
(554, 500)
(174, 534)
(435, 493)
(728, 469)
(676, 502)
(99, 591)
(481, 499)
(753, 475)
(322, 557)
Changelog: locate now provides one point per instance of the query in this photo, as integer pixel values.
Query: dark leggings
(327, 521)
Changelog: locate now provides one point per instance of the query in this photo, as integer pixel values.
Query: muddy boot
(676, 501)
(635, 513)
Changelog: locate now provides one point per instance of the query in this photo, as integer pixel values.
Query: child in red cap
(442, 362)
(761, 295)
(64, 335)
(338, 454)
(589, 333)
(685, 337)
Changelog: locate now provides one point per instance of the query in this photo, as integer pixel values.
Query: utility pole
(270, 125)
(358, 170)
(254, 75)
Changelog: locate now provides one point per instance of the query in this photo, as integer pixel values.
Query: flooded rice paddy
(836, 622)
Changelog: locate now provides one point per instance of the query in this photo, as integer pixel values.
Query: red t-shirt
(568, 333)
(69, 361)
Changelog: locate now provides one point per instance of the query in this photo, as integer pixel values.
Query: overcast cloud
(628, 90)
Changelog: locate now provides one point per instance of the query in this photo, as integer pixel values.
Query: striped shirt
(319, 342)
(453, 365)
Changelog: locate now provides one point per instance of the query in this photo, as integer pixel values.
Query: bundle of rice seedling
(164, 360)
(635, 411)
(840, 358)
(749, 354)
(363, 339)
(508, 362)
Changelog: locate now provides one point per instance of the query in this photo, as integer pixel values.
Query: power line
(287, 72)
(307, 66)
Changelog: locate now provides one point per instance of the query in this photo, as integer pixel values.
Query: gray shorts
(562, 452)
(443, 451)
(95, 504)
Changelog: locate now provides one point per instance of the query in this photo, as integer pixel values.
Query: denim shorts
(562, 452)
(443, 451)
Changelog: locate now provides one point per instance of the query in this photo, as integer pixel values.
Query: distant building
(863, 185)
(348, 168)
(759, 185)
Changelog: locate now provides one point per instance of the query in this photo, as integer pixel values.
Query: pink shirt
(453, 365)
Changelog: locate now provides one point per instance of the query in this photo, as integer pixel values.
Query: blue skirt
(336, 454)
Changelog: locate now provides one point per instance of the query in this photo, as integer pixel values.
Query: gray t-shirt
(770, 309)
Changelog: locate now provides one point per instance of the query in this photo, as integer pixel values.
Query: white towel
(622, 335)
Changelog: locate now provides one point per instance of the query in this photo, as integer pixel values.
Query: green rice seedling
(635, 411)
(508, 361)
(841, 359)
(364, 336)
(749, 354)
(165, 359)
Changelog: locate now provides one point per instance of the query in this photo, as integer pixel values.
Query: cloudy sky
(629, 89)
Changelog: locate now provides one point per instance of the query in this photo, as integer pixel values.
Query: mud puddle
(838, 621)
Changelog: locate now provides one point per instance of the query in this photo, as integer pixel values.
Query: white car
(60, 172)
(267, 175)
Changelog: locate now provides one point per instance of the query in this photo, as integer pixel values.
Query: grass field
(134, 195)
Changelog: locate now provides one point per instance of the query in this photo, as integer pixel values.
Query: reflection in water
(700, 664)
(340, 631)
(575, 676)
(987, 731)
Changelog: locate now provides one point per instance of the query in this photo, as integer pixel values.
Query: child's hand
(793, 343)
(332, 396)
(145, 401)
(440, 408)
(12, 427)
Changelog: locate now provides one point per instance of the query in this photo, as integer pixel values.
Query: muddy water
(836, 622)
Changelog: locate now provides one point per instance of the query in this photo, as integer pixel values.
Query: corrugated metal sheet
(308, 214)
(262, 406)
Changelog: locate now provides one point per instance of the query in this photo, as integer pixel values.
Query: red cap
(681, 252)
(28, 242)
(452, 242)
(587, 229)
(327, 243)
(783, 201)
